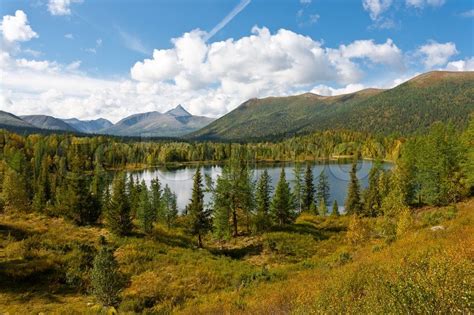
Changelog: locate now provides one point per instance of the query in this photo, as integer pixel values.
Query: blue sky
(104, 45)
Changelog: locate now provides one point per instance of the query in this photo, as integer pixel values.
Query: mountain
(173, 123)
(48, 122)
(88, 126)
(408, 108)
(10, 120)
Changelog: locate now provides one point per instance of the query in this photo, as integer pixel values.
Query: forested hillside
(406, 109)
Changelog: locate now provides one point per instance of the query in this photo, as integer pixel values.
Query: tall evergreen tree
(323, 189)
(353, 203)
(106, 280)
(200, 219)
(14, 190)
(308, 189)
(156, 200)
(42, 193)
(145, 209)
(323, 209)
(118, 215)
(335, 209)
(372, 196)
(298, 186)
(282, 202)
(263, 202)
(170, 208)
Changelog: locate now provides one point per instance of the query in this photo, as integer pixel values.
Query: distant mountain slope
(48, 122)
(173, 123)
(10, 120)
(88, 126)
(410, 107)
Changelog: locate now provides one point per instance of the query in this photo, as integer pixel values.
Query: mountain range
(408, 108)
(174, 123)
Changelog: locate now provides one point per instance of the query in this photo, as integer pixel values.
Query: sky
(113, 58)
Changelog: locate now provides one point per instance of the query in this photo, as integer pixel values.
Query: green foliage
(335, 209)
(323, 189)
(106, 281)
(353, 203)
(282, 203)
(308, 189)
(323, 209)
(200, 219)
(146, 212)
(170, 208)
(262, 220)
(118, 217)
(372, 196)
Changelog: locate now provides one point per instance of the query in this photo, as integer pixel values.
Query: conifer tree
(42, 193)
(372, 197)
(323, 190)
(170, 208)
(106, 280)
(263, 202)
(282, 203)
(145, 209)
(323, 209)
(118, 216)
(308, 189)
(156, 200)
(200, 220)
(335, 209)
(353, 203)
(14, 190)
(298, 186)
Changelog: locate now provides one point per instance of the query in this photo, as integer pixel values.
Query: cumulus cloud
(15, 28)
(376, 7)
(437, 54)
(329, 91)
(461, 65)
(61, 7)
(423, 3)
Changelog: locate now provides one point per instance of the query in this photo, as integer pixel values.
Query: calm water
(180, 180)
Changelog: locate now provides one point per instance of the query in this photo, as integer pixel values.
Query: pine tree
(119, 220)
(298, 186)
(156, 200)
(335, 209)
(200, 218)
(282, 203)
(106, 280)
(323, 190)
(262, 197)
(170, 209)
(145, 209)
(323, 209)
(308, 189)
(353, 203)
(43, 188)
(372, 197)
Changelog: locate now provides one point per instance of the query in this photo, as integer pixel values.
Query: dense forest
(125, 245)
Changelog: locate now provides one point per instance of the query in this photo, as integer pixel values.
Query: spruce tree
(372, 197)
(170, 208)
(323, 190)
(145, 209)
(106, 281)
(118, 216)
(335, 209)
(308, 189)
(353, 203)
(43, 187)
(323, 209)
(200, 220)
(298, 186)
(282, 203)
(263, 203)
(156, 200)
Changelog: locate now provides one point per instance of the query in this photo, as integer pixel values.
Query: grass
(308, 267)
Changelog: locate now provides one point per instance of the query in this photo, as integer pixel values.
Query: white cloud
(305, 1)
(461, 65)
(468, 14)
(329, 91)
(16, 29)
(423, 3)
(437, 54)
(61, 7)
(229, 17)
(376, 7)
(133, 43)
(69, 36)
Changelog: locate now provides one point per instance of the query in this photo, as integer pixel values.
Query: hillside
(88, 126)
(408, 108)
(48, 123)
(173, 123)
(14, 123)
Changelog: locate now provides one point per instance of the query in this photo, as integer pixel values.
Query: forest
(80, 235)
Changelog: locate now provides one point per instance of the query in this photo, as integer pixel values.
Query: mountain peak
(178, 111)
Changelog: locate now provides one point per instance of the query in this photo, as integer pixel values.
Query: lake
(180, 180)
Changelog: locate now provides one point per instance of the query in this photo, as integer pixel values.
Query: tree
(145, 209)
(282, 203)
(156, 200)
(323, 190)
(43, 187)
(335, 209)
(119, 220)
(170, 209)
(106, 280)
(372, 196)
(323, 209)
(199, 217)
(262, 196)
(308, 189)
(353, 203)
(14, 192)
(298, 186)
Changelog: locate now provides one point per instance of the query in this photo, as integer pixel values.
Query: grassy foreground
(423, 264)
